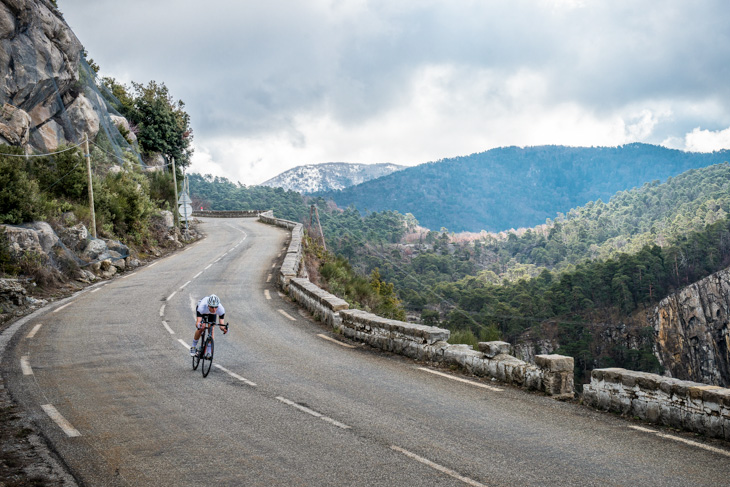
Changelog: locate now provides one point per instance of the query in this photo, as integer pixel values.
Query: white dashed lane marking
(459, 379)
(167, 327)
(682, 440)
(313, 413)
(171, 296)
(438, 467)
(34, 330)
(346, 345)
(53, 413)
(287, 315)
(25, 365)
(235, 376)
(61, 307)
(267, 294)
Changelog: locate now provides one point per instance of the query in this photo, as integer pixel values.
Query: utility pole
(313, 211)
(174, 181)
(87, 155)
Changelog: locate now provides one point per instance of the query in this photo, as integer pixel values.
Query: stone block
(555, 363)
(492, 349)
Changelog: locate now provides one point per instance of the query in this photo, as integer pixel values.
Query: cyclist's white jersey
(203, 308)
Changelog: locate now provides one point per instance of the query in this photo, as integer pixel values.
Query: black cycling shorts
(209, 317)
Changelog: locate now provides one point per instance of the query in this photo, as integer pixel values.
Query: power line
(42, 155)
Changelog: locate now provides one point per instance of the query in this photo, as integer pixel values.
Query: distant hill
(516, 187)
(329, 176)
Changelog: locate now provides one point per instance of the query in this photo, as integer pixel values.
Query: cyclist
(208, 307)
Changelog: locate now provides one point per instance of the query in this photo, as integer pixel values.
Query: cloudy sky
(277, 84)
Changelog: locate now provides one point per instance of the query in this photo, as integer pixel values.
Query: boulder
(95, 249)
(22, 240)
(84, 119)
(124, 128)
(118, 247)
(75, 237)
(14, 125)
(46, 236)
(168, 219)
(12, 293)
(48, 136)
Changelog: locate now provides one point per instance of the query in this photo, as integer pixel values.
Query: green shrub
(20, 198)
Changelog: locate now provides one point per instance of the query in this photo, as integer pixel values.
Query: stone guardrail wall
(227, 214)
(690, 406)
(552, 374)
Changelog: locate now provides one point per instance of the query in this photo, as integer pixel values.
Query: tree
(163, 125)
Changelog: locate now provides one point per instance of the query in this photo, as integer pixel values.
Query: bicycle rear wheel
(207, 358)
(196, 357)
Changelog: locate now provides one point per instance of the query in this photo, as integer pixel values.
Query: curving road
(106, 375)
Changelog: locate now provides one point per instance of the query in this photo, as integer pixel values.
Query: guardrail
(227, 214)
(691, 406)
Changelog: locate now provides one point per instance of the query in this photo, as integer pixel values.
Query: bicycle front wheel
(207, 356)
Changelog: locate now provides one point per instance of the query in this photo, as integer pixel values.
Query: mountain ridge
(328, 176)
(512, 187)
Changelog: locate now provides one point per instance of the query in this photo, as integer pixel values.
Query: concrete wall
(690, 406)
(552, 374)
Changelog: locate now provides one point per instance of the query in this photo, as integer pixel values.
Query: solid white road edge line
(459, 379)
(313, 413)
(167, 327)
(438, 467)
(53, 413)
(25, 365)
(287, 315)
(346, 345)
(34, 330)
(267, 294)
(235, 376)
(683, 440)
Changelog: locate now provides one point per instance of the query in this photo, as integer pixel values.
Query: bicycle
(204, 349)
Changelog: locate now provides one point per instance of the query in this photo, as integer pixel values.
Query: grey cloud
(252, 67)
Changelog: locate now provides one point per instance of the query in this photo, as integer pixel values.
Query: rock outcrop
(44, 101)
(693, 332)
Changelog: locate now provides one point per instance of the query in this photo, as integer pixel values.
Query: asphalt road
(107, 376)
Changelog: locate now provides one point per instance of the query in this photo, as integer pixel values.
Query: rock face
(692, 331)
(40, 90)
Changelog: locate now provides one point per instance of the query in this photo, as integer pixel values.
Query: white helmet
(213, 301)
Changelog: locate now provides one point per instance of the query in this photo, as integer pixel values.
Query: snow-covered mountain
(329, 176)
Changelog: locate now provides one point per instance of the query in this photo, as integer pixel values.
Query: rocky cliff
(692, 331)
(44, 99)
